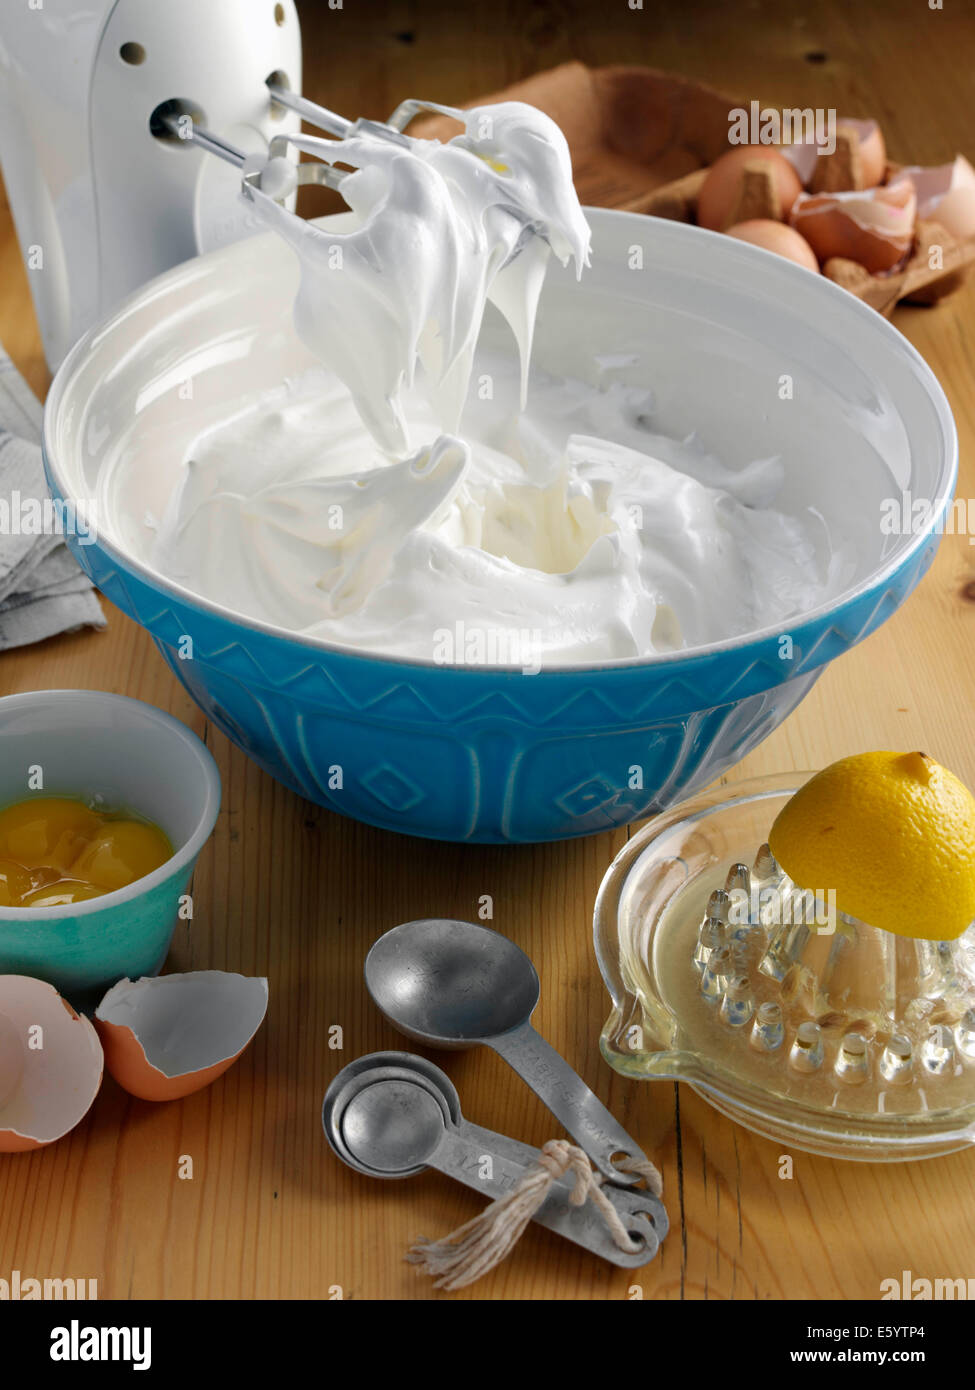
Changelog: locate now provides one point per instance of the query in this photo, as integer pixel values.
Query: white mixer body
(99, 203)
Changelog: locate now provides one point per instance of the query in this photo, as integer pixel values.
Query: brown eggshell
(874, 227)
(44, 1091)
(169, 1036)
(956, 212)
(720, 192)
(945, 194)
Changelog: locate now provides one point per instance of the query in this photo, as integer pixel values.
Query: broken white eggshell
(945, 194)
(168, 1036)
(50, 1064)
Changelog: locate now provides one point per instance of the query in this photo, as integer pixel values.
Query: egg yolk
(124, 850)
(48, 830)
(15, 881)
(55, 851)
(66, 890)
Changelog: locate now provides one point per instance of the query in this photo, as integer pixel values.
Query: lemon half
(893, 834)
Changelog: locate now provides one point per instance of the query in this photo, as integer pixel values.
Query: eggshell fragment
(50, 1064)
(172, 1035)
(945, 194)
(874, 227)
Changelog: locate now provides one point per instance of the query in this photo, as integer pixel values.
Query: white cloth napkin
(42, 590)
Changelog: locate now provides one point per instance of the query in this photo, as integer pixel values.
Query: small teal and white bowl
(88, 743)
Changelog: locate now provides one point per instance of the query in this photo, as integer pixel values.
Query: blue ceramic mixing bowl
(753, 354)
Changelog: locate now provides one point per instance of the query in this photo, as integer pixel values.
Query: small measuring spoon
(628, 1201)
(391, 1115)
(455, 985)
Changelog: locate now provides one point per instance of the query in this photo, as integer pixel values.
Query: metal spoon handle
(632, 1203)
(569, 1099)
(470, 1156)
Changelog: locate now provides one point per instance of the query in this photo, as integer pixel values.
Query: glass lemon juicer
(808, 1027)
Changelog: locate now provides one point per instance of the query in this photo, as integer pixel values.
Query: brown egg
(777, 237)
(874, 227)
(717, 202)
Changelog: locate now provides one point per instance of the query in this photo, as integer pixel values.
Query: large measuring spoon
(456, 984)
(391, 1115)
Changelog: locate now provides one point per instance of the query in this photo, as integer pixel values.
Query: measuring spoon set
(453, 985)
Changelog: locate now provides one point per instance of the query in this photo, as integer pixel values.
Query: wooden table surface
(288, 890)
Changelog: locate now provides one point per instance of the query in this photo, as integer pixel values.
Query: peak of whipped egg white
(442, 229)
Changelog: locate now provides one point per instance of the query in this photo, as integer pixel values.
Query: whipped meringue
(421, 497)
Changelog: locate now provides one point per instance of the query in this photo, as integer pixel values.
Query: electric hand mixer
(104, 108)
